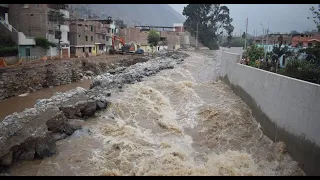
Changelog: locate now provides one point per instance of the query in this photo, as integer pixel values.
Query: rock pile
(34, 132)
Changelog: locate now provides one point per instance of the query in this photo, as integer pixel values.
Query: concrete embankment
(33, 133)
(287, 109)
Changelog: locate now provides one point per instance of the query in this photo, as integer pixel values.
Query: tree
(316, 16)
(294, 32)
(212, 19)
(254, 53)
(121, 24)
(153, 38)
(243, 35)
(57, 18)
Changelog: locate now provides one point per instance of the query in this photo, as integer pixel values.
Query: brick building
(305, 40)
(178, 27)
(32, 20)
(82, 35)
(109, 27)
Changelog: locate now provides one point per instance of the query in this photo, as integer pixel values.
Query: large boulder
(87, 108)
(102, 104)
(70, 111)
(24, 137)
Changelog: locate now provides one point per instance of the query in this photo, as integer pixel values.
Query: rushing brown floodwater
(18, 104)
(182, 121)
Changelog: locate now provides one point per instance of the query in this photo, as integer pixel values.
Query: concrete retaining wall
(287, 109)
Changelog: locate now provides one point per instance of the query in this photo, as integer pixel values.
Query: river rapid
(181, 121)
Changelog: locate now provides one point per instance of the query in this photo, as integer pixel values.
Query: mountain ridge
(131, 14)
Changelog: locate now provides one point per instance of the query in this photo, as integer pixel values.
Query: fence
(13, 61)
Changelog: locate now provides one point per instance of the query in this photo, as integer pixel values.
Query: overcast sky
(281, 17)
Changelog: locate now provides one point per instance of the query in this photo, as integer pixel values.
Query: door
(27, 52)
(65, 53)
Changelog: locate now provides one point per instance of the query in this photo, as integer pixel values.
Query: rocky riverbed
(33, 133)
(28, 78)
(180, 121)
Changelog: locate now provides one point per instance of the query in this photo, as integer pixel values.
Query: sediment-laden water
(181, 121)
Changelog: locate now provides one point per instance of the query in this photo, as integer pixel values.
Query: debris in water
(23, 95)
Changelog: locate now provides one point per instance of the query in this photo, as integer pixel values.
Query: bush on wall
(44, 43)
(8, 51)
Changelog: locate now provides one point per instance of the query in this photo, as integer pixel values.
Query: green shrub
(303, 70)
(44, 43)
(254, 53)
(237, 42)
(6, 41)
(8, 51)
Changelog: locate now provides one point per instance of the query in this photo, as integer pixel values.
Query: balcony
(24, 40)
(63, 28)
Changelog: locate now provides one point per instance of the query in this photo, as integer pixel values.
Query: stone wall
(32, 77)
(15, 81)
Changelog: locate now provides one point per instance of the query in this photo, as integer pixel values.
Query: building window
(25, 5)
(83, 49)
(51, 32)
(86, 38)
(91, 38)
(91, 28)
(57, 34)
(79, 36)
(68, 36)
(108, 30)
(107, 38)
(112, 31)
(102, 36)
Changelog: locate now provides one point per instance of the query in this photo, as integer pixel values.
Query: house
(171, 38)
(305, 40)
(162, 46)
(313, 42)
(272, 39)
(82, 37)
(178, 27)
(100, 37)
(33, 21)
(109, 26)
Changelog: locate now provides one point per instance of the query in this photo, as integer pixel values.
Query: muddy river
(19, 103)
(182, 121)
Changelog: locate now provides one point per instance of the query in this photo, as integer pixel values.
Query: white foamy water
(182, 121)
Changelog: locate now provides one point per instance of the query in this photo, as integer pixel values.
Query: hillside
(132, 14)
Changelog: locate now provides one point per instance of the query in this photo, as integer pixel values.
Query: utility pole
(262, 34)
(245, 37)
(197, 35)
(17, 31)
(265, 54)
